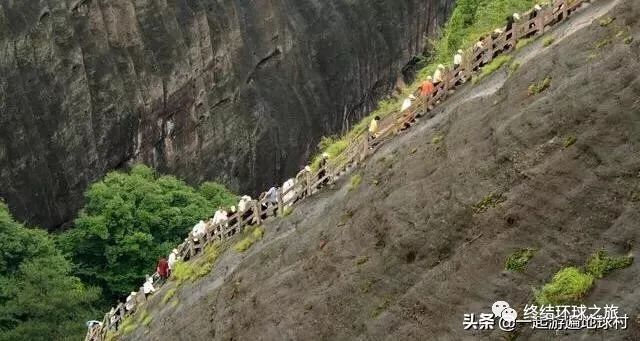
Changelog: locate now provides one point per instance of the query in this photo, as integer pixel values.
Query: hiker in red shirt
(426, 88)
(163, 268)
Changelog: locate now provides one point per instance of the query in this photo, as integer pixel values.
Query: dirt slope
(407, 255)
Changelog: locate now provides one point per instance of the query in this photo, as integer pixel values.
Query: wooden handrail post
(489, 50)
(365, 147)
(257, 212)
(240, 221)
(448, 77)
(280, 204)
(191, 246)
(309, 182)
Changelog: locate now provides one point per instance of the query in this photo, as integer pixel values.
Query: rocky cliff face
(236, 91)
(408, 252)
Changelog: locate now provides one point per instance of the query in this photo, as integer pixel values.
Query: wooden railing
(308, 182)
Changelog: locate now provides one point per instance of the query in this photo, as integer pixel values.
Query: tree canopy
(132, 219)
(39, 299)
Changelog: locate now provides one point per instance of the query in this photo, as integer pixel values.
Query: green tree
(217, 193)
(129, 221)
(39, 299)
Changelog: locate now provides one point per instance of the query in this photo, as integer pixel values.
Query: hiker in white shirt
(289, 191)
(406, 104)
(199, 229)
(130, 303)
(173, 257)
(437, 75)
(147, 287)
(245, 208)
(270, 203)
(457, 59)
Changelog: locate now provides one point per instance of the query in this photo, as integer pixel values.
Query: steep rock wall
(234, 91)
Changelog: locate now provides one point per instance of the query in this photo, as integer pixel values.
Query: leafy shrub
(601, 264)
(519, 259)
(217, 194)
(568, 286)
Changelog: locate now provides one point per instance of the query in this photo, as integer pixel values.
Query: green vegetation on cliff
(39, 298)
(470, 20)
(601, 263)
(132, 219)
(568, 286)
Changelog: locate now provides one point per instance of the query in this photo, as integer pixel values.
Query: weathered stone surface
(236, 91)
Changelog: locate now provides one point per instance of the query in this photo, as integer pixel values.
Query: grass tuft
(518, 260)
(169, 295)
(490, 68)
(362, 260)
(601, 264)
(602, 43)
(548, 41)
(605, 21)
(128, 325)
(540, 86)
(438, 139)
(147, 320)
(513, 68)
(524, 42)
(491, 200)
(568, 286)
(380, 308)
(249, 239)
(197, 268)
(355, 181)
(570, 141)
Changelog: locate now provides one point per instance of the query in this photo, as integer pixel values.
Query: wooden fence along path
(308, 182)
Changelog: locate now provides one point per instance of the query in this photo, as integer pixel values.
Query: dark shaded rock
(238, 92)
